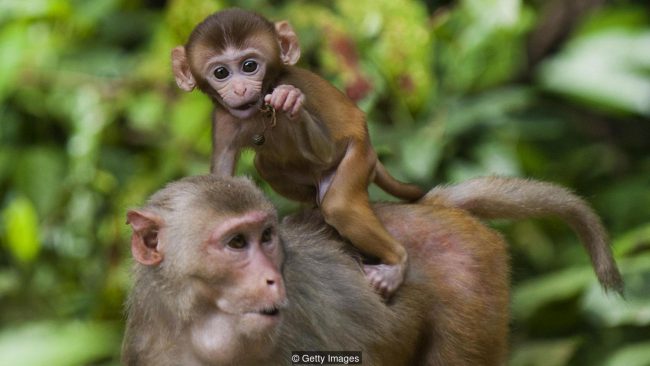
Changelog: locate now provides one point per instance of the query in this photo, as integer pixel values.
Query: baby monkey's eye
(221, 73)
(249, 66)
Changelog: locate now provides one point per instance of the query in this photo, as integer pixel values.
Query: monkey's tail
(516, 198)
(405, 191)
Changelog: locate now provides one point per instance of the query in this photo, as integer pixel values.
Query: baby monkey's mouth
(247, 106)
(246, 110)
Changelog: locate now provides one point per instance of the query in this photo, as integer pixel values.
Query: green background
(91, 123)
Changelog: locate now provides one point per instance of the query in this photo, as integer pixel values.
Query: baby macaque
(311, 141)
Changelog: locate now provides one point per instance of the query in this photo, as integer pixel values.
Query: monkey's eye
(267, 235)
(237, 242)
(221, 73)
(249, 66)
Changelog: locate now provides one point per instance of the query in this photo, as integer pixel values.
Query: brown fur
(451, 310)
(499, 197)
(330, 306)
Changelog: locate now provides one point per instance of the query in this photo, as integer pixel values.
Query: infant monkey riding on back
(311, 141)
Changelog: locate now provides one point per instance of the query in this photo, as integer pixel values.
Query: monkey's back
(453, 304)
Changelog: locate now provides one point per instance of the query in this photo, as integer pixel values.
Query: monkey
(219, 280)
(313, 145)
(208, 257)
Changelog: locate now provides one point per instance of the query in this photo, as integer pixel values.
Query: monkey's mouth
(247, 109)
(271, 311)
(247, 106)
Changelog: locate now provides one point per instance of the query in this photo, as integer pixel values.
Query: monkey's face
(243, 292)
(237, 75)
(234, 58)
(243, 258)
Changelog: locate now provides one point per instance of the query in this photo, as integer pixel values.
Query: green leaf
(532, 295)
(191, 117)
(183, 15)
(611, 311)
(9, 281)
(633, 241)
(22, 230)
(146, 111)
(637, 354)
(607, 69)
(39, 174)
(545, 353)
(479, 48)
(33, 8)
(58, 344)
(12, 49)
(492, 109)
(404, 50)
(421, 152)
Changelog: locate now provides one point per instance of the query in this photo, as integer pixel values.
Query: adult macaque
(219, 282)
(311, 141)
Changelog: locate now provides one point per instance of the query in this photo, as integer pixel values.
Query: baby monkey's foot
(385, 278)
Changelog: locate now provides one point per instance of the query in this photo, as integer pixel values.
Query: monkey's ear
(288, 40)
(181, 67)
(144, 240)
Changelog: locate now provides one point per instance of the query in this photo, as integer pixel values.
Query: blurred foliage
(91, 123)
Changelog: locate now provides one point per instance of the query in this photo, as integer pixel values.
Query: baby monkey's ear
(288, 40)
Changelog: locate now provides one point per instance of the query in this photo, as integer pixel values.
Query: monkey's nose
(276, 289)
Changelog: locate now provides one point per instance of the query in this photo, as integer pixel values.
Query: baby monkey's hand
(286, 98)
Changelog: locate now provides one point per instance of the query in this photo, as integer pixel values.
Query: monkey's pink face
(241, 260)
(249, 246)
(238, 75)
